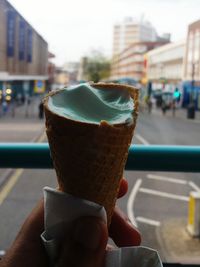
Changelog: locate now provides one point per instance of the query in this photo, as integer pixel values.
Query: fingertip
(123, 187)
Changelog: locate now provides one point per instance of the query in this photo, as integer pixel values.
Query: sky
(73, 28)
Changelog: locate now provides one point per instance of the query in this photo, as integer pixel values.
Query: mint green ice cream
(88, 104)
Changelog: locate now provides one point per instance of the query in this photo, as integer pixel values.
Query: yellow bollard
(193, 225)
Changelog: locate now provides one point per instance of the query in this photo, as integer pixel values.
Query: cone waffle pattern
(89, 159)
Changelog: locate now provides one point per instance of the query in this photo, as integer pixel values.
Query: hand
(85, 246)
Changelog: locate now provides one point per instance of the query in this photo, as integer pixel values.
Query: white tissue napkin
(62, 209)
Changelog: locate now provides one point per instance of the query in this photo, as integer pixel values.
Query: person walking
(41, 111)
(163, 106)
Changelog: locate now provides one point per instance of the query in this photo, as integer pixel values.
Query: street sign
(39, 86)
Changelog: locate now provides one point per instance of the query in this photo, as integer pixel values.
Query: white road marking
(194, 186)
(7, 188)
(147, 221)
(10, 184)
(166, 179)
(131, 200)
(142, 139)
(174, 180)
(163, 194)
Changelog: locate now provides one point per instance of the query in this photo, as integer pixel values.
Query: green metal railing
(141, 158)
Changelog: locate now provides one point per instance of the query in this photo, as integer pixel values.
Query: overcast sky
(74, 27)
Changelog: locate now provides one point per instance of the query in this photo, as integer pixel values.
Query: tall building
(192, 55)
(23, 53)
(134, 31)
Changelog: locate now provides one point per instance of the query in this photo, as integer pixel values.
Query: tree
(97, 67)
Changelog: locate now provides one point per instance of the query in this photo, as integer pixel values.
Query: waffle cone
(89, 159)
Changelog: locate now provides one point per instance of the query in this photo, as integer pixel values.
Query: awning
(4, 76)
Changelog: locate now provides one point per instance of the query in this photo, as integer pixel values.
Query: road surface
(152, 197)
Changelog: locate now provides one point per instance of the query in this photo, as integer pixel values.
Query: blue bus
(191, 92)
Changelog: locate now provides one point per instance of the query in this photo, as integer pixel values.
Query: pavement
(179, 113)
(24, 126)
(177, 244)
(22, 112)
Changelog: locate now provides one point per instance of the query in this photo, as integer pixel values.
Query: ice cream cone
(89, 159)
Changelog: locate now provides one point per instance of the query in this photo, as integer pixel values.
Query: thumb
(86, 244)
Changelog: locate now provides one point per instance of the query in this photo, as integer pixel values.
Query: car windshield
(152, 45)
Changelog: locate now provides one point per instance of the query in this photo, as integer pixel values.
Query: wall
(21, 62)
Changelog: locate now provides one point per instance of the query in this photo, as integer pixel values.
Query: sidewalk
(22, 112)
(180, 113)
(177, 244)
(24, 126)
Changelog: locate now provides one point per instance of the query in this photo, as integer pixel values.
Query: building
(72, 68)
(130, 62)
(178, 64)
(165, 64)
(51, 71)
(191, 75)
(134, 31)
(23, 53)
(81, 76)
(192, 55)
(61, 78)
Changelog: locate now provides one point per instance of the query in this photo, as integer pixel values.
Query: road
(152, 197)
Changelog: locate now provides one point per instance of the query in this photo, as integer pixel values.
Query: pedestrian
(4, 107)
(149, 104)
(13, 107)
(174, 107)
(41, 111)
(163, 106)
(84, 245)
